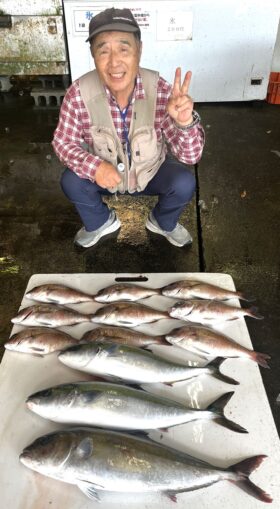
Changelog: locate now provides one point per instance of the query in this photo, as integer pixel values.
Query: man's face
(116, 56)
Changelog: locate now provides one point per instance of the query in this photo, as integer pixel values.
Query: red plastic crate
(273, 91)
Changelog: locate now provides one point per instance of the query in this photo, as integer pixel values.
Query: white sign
(174, 25)
(143, 18)
(82, 19)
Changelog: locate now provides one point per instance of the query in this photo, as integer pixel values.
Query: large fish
(191, 289)
(127, 314)
(132, 364)
(124, 336)
(99, 460)
(125, 291)
(39, 340)
(49, 315)
(209, 311)
(207, 342)
(58, 294)
(108, 405)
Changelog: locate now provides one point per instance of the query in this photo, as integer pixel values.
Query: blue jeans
(174, 184)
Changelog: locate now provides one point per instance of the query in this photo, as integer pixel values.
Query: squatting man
(123, 128)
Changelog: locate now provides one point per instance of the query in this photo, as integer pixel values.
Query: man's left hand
(180, 104)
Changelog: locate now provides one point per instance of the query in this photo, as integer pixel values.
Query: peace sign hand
(180, 104)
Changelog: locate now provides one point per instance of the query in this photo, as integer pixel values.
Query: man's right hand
(107, 176)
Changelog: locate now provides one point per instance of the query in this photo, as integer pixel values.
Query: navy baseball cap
(119, 20)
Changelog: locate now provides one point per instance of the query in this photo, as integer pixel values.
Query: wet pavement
(234, 219)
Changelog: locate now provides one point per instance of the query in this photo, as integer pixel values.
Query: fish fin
(244, 469)
(85, 448)
(138, 433)
(241, 296)
(261, 359)
(227, 423)
(254, 490)
(45, 323)
(219, 404)
(135, 386)
(41, 355)
(142, 434)
(172, 496)
(111, 348)
(164, 430)
(254, 313)
(89, 490)
(216, 364)
(199, 351)
(147, 348)
(217, 407)
(52, 300)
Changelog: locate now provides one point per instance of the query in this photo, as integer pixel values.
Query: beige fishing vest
(147, 153)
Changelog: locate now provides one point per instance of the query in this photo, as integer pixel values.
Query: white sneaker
(178, 237)
(88, 239)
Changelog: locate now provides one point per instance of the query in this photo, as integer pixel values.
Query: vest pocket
(104, 145)
(144, 146)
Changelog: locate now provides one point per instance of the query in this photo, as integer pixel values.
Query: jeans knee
(185, 185)
(70, 184)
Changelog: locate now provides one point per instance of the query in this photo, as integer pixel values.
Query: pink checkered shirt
(73, 130)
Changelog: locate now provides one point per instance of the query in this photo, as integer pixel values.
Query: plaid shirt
(73, 130)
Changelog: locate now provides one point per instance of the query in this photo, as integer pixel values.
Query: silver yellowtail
(192, 289)
(206, 342)
(128, 314)
(39, 341)
(209, 311)
(49, 315)
(132, 364)
(114, 406)
(99, 460)
(124, 336)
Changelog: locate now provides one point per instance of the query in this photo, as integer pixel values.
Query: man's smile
(117, 75)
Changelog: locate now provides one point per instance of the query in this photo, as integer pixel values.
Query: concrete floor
(234, 219)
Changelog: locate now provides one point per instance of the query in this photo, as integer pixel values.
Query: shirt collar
(138, 92)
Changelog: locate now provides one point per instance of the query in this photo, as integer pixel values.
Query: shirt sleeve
(70, 138)
(186, 144)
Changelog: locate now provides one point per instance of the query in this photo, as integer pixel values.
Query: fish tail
(261, 359)
(160, 340)
(158, 291)
(254, 313)
(242, 296)
(216, 364)
(244, 469)
(92, 318)
(218, 406)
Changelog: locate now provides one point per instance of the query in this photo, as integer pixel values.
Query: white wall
(275, 66)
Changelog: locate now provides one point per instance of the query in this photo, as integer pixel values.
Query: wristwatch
(196, 120)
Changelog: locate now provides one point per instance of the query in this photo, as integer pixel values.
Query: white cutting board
(21, 375)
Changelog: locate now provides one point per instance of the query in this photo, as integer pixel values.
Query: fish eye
(45, 440)
(47, 393)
